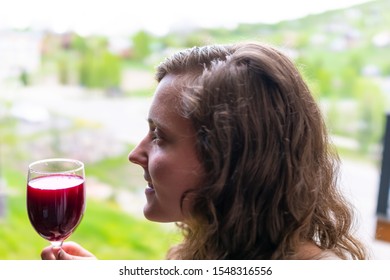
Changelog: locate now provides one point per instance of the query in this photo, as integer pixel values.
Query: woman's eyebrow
(156, 123)
(150, 122)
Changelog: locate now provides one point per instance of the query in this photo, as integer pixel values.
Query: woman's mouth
(149, 189)
(148, 180)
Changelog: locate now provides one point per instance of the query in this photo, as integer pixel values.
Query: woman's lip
(149, 189)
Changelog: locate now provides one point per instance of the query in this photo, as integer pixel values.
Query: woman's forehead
(166, 96)
(165, 104)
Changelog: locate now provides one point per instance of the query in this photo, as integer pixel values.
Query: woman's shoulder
(328, 255)
(173, 253)
(310, 251)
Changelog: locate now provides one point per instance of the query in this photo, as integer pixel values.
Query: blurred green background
(343, 55)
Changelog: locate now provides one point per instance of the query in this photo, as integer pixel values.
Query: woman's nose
(139, 155)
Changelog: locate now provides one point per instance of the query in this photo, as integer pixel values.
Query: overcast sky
(121, 17)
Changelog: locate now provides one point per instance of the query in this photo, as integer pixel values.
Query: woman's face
(168, 156)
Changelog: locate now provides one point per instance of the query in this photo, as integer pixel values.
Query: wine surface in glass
(55, 205)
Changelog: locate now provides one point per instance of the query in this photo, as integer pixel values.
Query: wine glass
(55, 197)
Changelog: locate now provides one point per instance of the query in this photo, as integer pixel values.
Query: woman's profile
(238, 155)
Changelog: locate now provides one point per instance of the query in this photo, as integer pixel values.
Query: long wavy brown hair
(271, 172)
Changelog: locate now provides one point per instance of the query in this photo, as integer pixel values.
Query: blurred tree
(79, 44)
(386, 68)
(110, 71)
(63, 69)
(356, 61)
(333, 116)
(371, 113)
(98, 67)
(141, 45)
(317, 76)
(199, 38)
(347, 81)
(24, 77)
(324, 78)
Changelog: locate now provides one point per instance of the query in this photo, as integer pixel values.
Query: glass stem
(56, 244)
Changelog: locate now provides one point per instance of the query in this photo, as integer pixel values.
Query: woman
(238, 155)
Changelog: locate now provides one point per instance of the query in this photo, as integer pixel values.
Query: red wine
(55, 205)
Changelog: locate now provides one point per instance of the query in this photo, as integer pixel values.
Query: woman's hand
(69, 251)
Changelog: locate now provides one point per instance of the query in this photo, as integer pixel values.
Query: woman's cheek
(159, 167)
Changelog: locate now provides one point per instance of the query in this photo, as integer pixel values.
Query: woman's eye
(155, 136)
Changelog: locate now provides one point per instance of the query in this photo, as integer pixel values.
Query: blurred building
(20, 53)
